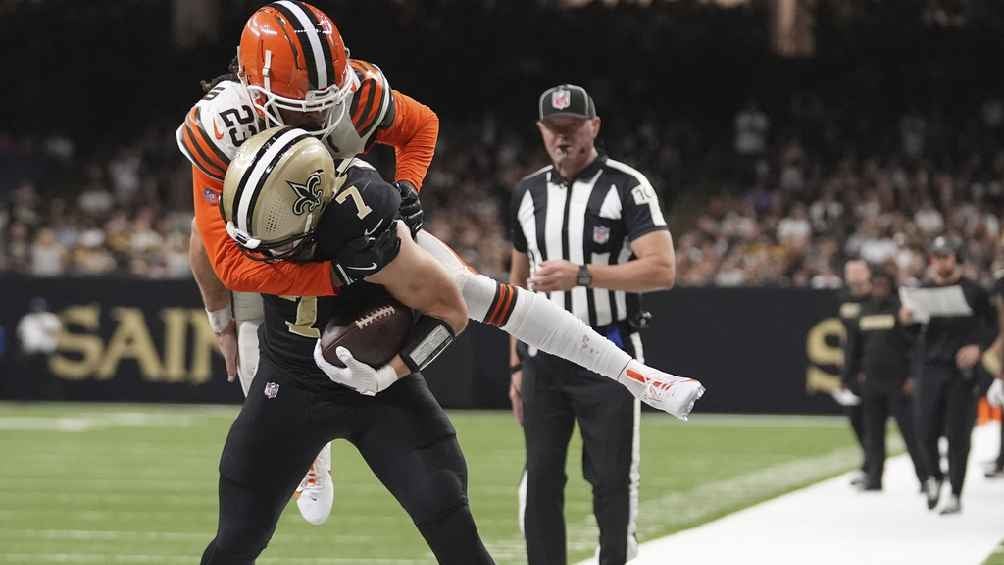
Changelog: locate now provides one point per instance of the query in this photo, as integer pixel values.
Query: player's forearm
(215, 295)
(413, 135)
(416, 280)
(279, 279)
(654, 272)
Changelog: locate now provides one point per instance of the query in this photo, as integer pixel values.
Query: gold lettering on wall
(88, 347)
(175, 332)
(84, 353)
(131, 341)
(823, 348)
(203, 346)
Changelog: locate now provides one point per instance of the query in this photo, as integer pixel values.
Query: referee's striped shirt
(592, 218)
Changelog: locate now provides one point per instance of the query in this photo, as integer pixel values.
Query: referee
(947, 389)
(588, 231)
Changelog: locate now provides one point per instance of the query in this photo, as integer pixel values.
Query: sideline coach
(588, 231)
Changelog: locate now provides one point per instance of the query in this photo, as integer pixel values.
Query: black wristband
(429, 337)
(515, 369)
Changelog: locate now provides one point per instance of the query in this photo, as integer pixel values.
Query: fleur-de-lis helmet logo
(308, 194)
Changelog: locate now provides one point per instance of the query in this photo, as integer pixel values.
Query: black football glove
(411, 207)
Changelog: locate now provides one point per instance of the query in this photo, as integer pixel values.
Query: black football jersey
(362, 211)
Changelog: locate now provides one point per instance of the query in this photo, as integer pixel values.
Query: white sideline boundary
(830, 523)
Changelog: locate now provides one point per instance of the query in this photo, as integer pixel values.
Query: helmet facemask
(331, 102)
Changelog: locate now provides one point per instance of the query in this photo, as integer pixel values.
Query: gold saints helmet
(276, 189)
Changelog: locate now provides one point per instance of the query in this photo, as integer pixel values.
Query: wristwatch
(585, 278)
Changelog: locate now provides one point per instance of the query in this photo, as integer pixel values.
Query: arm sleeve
(413, 135)
(237, 271)
(642, 213)
(518, 235)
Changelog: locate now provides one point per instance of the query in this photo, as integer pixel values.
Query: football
(374, 335)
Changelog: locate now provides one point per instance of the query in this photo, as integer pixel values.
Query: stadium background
(783, 135)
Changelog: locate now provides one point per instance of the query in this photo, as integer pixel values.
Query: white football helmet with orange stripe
(294, 66)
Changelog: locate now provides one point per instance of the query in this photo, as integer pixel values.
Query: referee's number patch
(642, 194)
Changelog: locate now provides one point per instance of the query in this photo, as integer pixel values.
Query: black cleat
(994, 472)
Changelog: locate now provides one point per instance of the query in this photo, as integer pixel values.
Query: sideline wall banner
(756, 349)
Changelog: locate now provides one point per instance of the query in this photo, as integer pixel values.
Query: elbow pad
(430, 337)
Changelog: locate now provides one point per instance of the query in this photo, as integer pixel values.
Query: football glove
(356, 375)
(411, 207)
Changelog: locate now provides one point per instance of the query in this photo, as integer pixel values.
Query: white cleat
(662, 391)
(316, 492)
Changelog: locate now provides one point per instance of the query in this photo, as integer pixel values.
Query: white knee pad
(249, 312)
(247, 352)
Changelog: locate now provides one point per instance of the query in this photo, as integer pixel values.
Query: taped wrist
(220, 319)
(430, 337)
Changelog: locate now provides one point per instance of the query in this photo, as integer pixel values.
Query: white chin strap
(242, 237)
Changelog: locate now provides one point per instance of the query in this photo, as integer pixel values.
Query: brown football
(374, 336)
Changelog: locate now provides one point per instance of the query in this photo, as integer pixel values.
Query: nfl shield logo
(211, 196)
(271, 389)
(601, 234)
(561, 99)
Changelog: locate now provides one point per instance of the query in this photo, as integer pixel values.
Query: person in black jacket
(857, 280)
(878, 359)
(947, 389)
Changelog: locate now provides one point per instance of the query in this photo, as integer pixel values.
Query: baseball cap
(566, 100)
(943, 246)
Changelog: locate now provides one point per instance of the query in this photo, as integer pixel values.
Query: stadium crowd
(844, 158)
(785, 216)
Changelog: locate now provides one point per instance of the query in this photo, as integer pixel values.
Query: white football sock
(528, 316)
(532, 318)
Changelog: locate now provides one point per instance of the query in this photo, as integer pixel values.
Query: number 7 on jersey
(352, 192)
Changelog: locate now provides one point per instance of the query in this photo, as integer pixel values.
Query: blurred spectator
(48, 256)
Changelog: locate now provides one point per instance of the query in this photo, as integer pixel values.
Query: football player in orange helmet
(372, 113)
(292, 68)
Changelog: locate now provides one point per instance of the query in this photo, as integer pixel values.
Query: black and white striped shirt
(590, 219)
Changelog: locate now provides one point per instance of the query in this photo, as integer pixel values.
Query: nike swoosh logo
(372, 267)
(216, 130)
(368, 233)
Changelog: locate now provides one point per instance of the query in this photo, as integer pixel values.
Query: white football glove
(845, 397)
(995, 395)
(356, 375)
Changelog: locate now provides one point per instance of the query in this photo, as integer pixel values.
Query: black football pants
(946, 402)
(556, 395)
(856, 416)
(402, 433)
(877, 405)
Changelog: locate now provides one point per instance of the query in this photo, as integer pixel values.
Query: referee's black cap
(944, 246)
(566, 100)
